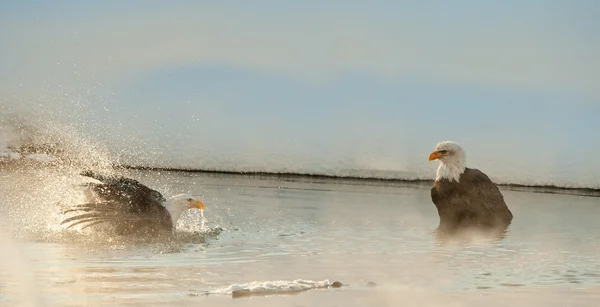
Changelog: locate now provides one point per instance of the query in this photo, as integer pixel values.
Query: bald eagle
(130, 207)
(465, 197)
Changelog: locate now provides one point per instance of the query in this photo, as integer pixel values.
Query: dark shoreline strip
(511, 186)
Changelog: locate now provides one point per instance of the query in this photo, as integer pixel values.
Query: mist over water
(311, 229)
(338, 142)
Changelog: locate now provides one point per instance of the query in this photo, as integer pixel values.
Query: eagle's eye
(443, 151)
(190, 199)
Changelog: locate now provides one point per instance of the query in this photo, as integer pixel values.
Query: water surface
(290, 228)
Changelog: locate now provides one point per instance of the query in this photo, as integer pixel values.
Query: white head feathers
(452, 158)
(177, 204)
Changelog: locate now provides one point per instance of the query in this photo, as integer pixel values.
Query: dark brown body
(128, 206)
(473, 203)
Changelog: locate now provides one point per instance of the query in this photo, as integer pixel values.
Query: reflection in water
(269, 230)
(468, 234)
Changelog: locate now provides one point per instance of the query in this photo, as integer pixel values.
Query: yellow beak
(435, 155)
(198, 205)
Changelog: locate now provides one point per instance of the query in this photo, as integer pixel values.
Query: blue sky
(317, 86)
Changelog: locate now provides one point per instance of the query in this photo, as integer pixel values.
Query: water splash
(41, 166)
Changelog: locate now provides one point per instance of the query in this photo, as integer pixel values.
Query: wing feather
(475, 201)
(93, 221)
(122, 202)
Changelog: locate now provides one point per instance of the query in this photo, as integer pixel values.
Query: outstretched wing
(121, 188)
(122, 202)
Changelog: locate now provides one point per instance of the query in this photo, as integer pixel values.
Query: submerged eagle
(129, 206)
(465, 197)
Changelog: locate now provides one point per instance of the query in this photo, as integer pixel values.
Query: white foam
(274, 287)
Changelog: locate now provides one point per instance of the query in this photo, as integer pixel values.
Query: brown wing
(124, 203)
(121, 189)
(475, 201)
